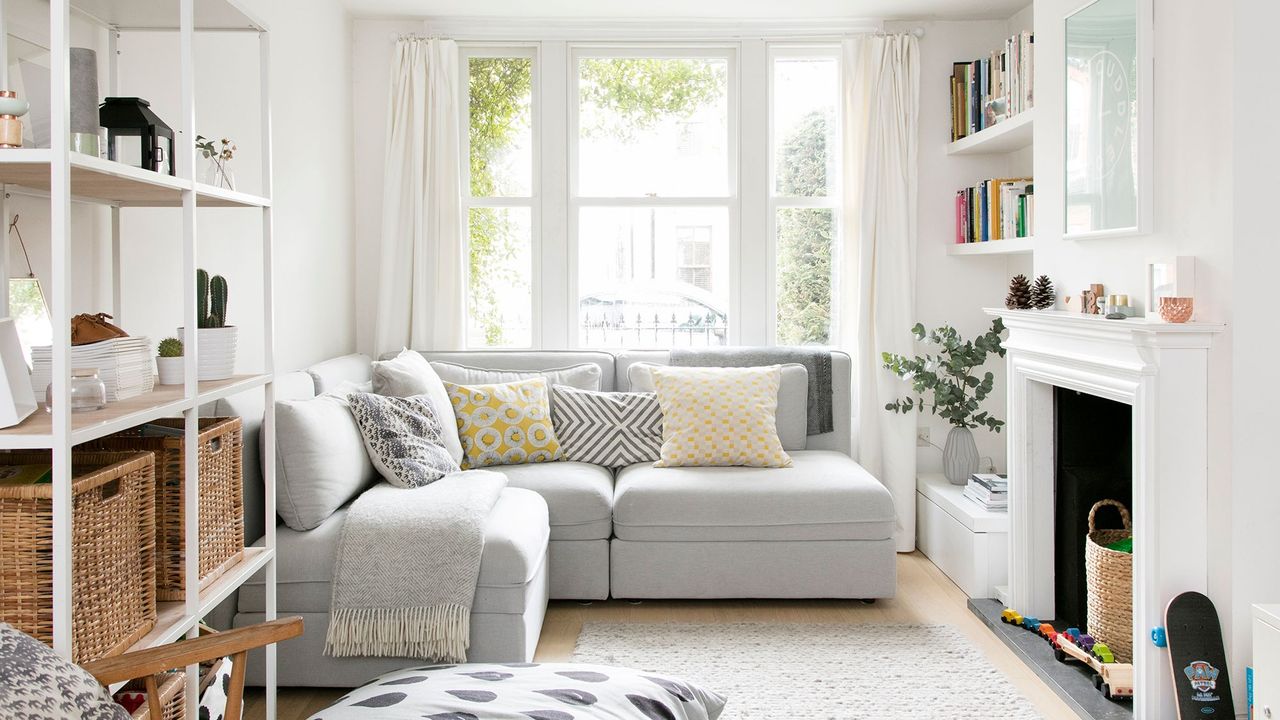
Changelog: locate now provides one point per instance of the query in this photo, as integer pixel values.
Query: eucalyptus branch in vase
(220, 156)
(947, 385)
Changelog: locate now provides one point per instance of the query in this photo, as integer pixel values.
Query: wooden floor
(925, 595)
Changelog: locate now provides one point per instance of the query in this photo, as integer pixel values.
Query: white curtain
(420, 300)
(877, 258)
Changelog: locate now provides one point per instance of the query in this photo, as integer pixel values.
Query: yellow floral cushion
(719, 416)
(504, 423)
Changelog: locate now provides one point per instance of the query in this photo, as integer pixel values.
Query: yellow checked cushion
(504, 423)
(719, 416)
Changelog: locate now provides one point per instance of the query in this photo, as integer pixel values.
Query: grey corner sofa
(566, 530)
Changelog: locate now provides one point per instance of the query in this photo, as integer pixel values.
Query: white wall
(953, 290)
(1193, 216)
(313, 220)
(1254, 534)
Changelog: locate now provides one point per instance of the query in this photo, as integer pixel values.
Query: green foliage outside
(804, 237)
(956, 392)
(631, 93)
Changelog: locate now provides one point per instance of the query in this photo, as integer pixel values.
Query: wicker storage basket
(173, 696)
(221, 498)
(1109, 581)
(113, 596)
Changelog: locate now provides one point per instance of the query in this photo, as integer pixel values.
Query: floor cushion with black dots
(526, 691)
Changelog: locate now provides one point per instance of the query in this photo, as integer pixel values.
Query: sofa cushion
(579, 496)
(606, 428)
(529, 360)
(409, 374)
(584, 376)
(321, 461)
(792, 415)
(404, 438)
(504, 423)
(715, 417)
(515, 546)
(825, 495)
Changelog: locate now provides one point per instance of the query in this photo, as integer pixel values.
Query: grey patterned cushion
(404, 438)
(38, 684)
(611, 429)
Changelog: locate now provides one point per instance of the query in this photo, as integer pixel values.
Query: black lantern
(136, 136)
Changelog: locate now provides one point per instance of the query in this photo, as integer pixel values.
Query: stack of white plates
(123, 365)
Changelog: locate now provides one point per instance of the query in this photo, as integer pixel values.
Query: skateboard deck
(1198, 659)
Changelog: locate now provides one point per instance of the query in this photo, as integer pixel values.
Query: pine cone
(1042, 297)
(1019, 297)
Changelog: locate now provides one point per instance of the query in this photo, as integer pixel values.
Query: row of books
(995, 209)
(123, 365)
(988, 90)
(989, 490)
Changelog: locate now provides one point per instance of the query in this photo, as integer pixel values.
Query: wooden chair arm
(144, 663)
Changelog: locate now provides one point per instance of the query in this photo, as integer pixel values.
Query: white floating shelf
(1012, 246)
(1012, 134)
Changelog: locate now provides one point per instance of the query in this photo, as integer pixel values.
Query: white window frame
(832, 200)
(555, 202)
(533, 201)
(730, 201)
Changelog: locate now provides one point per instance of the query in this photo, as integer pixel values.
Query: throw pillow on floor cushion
(321, 462)
(409, 374)
(719, 416)
(404, 438)
(585, 376)
(611, 429)
(504, 423)
(38, 684)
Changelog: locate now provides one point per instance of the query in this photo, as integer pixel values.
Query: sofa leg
(867, 601)
(585, 603)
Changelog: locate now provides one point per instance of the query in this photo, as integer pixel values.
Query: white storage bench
(968, 543)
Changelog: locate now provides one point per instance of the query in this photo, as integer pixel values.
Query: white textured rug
(812, 671)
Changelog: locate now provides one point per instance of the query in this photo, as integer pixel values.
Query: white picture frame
(1169, 277)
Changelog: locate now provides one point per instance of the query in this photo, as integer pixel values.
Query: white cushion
(321, 461)
(409, 374)
(585, 376)
(793, 400)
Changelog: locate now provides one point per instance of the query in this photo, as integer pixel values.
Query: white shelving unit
(1011, 246)
(65, 176)
(1012, 134)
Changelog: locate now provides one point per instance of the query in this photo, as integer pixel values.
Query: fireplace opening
(1093, 460)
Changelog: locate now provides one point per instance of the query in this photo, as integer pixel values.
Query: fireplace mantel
(1161, 370)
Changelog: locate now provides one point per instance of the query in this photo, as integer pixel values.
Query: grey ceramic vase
(959, 456)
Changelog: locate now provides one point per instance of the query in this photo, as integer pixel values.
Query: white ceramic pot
(217, 351)
(170, 370)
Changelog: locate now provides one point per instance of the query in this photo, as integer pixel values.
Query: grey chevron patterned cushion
(611, 429)
(404, 438)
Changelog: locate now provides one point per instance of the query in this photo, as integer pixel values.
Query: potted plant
(947, 385)
(216, 352)
(169, 361)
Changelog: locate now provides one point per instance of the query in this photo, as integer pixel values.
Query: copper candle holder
(1176, 309)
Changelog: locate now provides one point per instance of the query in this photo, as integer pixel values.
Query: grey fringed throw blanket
(407, 568)
(816, 360)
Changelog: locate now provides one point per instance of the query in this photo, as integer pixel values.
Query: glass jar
(88, 392)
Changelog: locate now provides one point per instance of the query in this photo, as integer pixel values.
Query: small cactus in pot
(217, 340)
(169, 362)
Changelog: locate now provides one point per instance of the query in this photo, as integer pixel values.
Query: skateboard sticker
(1204, 680)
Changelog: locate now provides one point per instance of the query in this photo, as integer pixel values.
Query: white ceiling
(706, 9)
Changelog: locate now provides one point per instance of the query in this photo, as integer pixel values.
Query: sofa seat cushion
(824, 495)
(579, 496)
(515, 547)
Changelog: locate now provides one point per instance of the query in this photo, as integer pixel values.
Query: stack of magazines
(123, 365)
(989, 490)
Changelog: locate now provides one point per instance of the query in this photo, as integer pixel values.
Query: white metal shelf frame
(58, 173)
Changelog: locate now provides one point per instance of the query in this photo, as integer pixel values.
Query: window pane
(804, 275)
(805, 94)
(653, 277)
(653, 126)
(500, 302)
(501, 129)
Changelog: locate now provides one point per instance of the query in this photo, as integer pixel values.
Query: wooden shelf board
(1012, 134)
(164, 401)
(172, 621)
(111, 183)
(1012, 246)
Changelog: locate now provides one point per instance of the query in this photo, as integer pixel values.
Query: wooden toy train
(1114, 680)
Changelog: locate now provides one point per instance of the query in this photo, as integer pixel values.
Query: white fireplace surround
(1161, 370)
